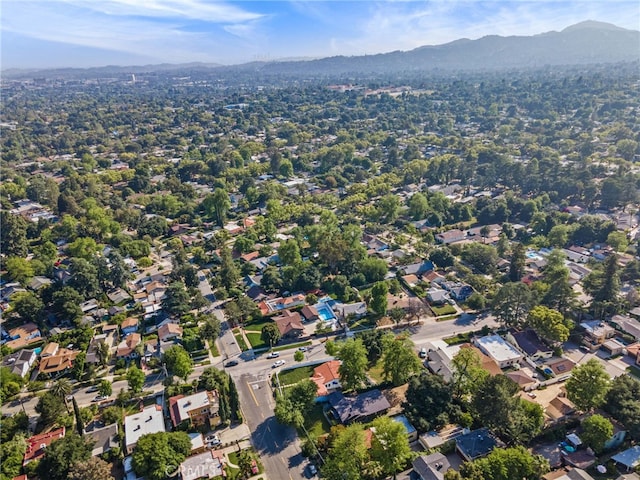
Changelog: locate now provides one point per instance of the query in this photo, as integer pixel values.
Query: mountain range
(588, 42)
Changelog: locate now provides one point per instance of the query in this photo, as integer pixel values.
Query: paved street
(277, 444)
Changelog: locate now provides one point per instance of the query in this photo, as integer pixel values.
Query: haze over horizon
(86, 33)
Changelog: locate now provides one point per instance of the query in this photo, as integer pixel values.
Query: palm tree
(62, 388)
(103, 352)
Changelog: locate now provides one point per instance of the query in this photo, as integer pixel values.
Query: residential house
(410, 280)
(597, 331)
(501, 351)
(560, 366)
(568, 473)
(89, 305)
(37, 444)
(57, 363)
(127, 347)
(432, 277)
(118, 296)
(577, 254)
(486, 362)
(457, 290)
(104, 438)
(38, 282)
(289, 324)
(359, 408)
(431, 467)
(529, 343)
(20, 362)
(628, 325)
(475, 444)
(628, 459)
(129, 325)
(327, 377)
(523, 380)
(450, 236)
(418, 268)
(613, 347)
(23, 335)
(618, 437)
(207, 464)
(345, 310)
(310, 313)
(633, 351)
(109, 338)
(559, 409)
(170, 331)
(437, 296)
(149, 420)
(199, 409)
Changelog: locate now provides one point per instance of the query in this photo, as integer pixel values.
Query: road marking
(252, 394)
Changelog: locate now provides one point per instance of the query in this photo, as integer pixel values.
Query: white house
(149, 420)
(501, 351)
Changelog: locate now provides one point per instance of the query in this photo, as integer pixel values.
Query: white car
(213, 440)
(273, 355)
(277, 364)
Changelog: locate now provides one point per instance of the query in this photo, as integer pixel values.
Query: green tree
(604, 286)
(468, 374)
(387, 208)
(390, 445)
(84, 278)
(353, 369)
(50, 407)
(78, 365)
(348, 456)
(596, 431)
(399, 361)
(13, 235)
(229, 273)
(512, 303)
(549, 324)
(428, 401)
(270, 334)
(12, 454)
(289, 252)
(379, 300)
(588, 386)
(209, 327)
(61, 455)
(83, 247)
(158, 455)
(298, 356)
(623, 402)
(217, 205)
(618, 241)
(516, 267)
(61, 388)
(17, 424)
(494, 401)
(66, 303)
(105, 389)
(92, 469)
(19, 269)
(483, 258)
(28, 305)
(506, 464)
(418, 206)
(373, 269)
(135, 379)
(176, 299)
(178, 362)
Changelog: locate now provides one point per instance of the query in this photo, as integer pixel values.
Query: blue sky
(80, 33)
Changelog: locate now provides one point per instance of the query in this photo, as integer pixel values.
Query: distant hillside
(587, 42)
(584, 43)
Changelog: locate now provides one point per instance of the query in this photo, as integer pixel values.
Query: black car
(231, 363)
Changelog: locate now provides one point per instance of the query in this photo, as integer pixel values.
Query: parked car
(312, 469)
(92, 389)
(231, 363)
(273, 355)
(213, 440)
(100, 398)
(423, 353)
(277, 364)
(302, 349)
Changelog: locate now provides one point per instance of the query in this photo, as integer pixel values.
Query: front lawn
(459, 338)
(635, 371)
(256, 326)
(292, 345)
(316, 423)
(255, 339)
(443, 310)
(375, 372)
(239, 338)
(290, 377)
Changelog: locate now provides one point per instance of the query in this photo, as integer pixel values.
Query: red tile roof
(37, 444)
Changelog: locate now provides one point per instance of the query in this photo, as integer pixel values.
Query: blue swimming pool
(325, 313)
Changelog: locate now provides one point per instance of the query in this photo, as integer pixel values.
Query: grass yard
(316, 423)
(635, 371)
(257, 325)
(443, 310)
(446, 318)
(289, 377)
(292, 345)
(459, 338)
(255, 339)
(375, 372)
(364, 322)
(241, 343)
